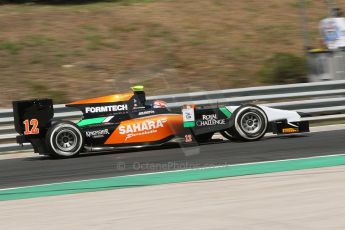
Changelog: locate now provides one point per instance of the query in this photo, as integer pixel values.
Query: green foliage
(299, 3)
(35, 40)
(10, 47)
(97, 42)
(284, 68)
(94, 42)
(14, 47)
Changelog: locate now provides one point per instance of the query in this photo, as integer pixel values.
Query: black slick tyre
(229, 134)
(250, 123)
(64, 140)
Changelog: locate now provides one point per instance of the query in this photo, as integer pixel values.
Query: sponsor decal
(146, 112)
(290, 130)
(141, 128)
(97, 133)
(211, 119)
(188, 117)
(105, 109)
(188, 114)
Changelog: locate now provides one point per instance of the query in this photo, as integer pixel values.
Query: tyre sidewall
(229, 134)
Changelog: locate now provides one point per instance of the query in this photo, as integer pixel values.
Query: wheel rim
(66, 140)
(251, 123)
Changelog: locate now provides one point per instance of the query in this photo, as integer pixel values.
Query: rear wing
(32, 118)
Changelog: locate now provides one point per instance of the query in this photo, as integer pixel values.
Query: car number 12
(31, 130)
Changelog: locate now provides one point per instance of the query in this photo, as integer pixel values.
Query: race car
(128, 120)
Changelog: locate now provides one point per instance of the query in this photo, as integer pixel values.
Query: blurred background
(69, 50)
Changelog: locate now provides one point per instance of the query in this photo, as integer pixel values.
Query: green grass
(301, 3)
(94, 42)
(124, 29)
(35, 40)
(97, 42)
(28, 41)
(36, 59)
(197, 40)
(77, 53)
(11, 47)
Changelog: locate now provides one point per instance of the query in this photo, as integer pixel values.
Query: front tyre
(250, 123)
(64, 140)
(228, 134)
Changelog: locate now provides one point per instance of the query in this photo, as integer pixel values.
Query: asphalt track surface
(43, 170)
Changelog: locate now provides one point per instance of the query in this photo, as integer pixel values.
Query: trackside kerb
(169, 177)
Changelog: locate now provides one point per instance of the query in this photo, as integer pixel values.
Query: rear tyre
(250, 123)
(64, 140)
